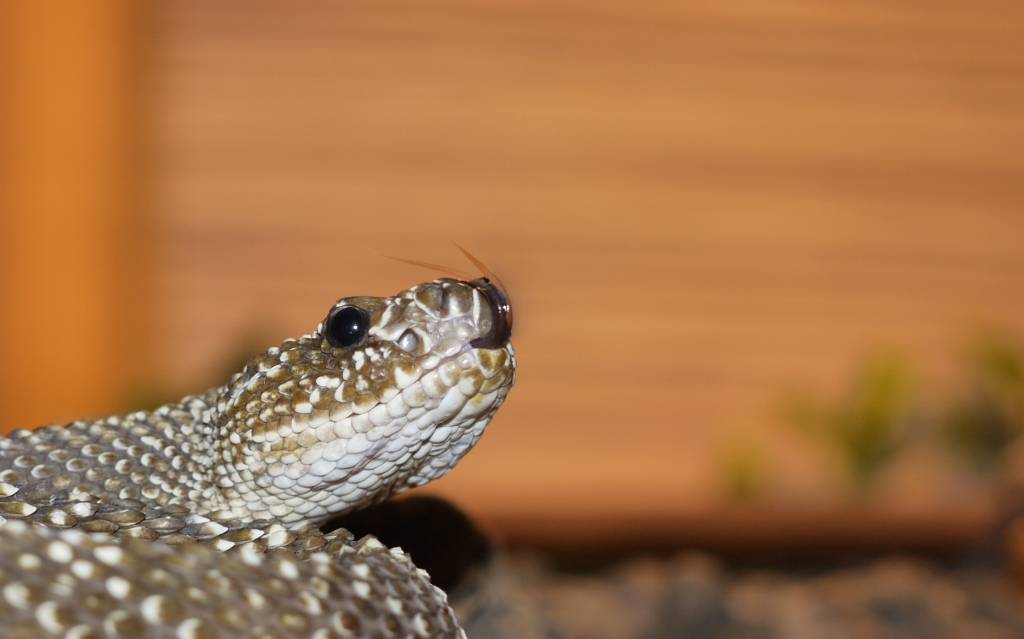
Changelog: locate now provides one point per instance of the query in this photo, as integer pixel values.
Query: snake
(202, 518)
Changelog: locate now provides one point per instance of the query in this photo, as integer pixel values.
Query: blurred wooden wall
(73, 247)
(694, 204)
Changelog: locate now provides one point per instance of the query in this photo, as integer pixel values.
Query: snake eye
(346, 326)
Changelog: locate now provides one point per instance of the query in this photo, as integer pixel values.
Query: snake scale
(200, 518)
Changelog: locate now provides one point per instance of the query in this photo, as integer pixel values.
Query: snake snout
(501, 315)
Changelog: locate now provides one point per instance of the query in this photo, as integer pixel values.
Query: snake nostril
(409, 341)
(501, 315)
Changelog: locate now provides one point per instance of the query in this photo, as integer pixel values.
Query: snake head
(386, 393)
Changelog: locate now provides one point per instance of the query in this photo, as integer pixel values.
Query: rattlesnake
(199, 518)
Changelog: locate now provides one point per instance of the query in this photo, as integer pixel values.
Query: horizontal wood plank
(694, 205)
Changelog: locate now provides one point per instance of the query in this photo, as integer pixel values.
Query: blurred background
(765, 257)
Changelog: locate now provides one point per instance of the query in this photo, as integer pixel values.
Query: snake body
(200, 518)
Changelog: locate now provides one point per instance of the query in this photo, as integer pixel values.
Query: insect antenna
(477, 262)
(447, 270)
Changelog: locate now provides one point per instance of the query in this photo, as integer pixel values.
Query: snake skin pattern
(200, 518)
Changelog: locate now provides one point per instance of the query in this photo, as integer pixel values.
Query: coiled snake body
(199, 519)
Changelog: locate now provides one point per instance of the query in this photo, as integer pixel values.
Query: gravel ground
(515, 596)
(692, 596)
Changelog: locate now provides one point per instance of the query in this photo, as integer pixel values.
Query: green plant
(989, 416)
(743, 470)
(869, 424)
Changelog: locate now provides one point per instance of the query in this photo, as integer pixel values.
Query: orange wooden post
(71, 250)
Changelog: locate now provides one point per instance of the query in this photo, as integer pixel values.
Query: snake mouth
(501, 315)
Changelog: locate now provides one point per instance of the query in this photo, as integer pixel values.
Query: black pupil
(345, 326)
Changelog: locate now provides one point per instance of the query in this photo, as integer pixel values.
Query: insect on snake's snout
(501, 315)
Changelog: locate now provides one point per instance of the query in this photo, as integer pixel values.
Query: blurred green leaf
(744, 470)
(989, 416)
(869, 424)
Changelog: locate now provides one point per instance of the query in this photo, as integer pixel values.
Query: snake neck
(161, 458)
